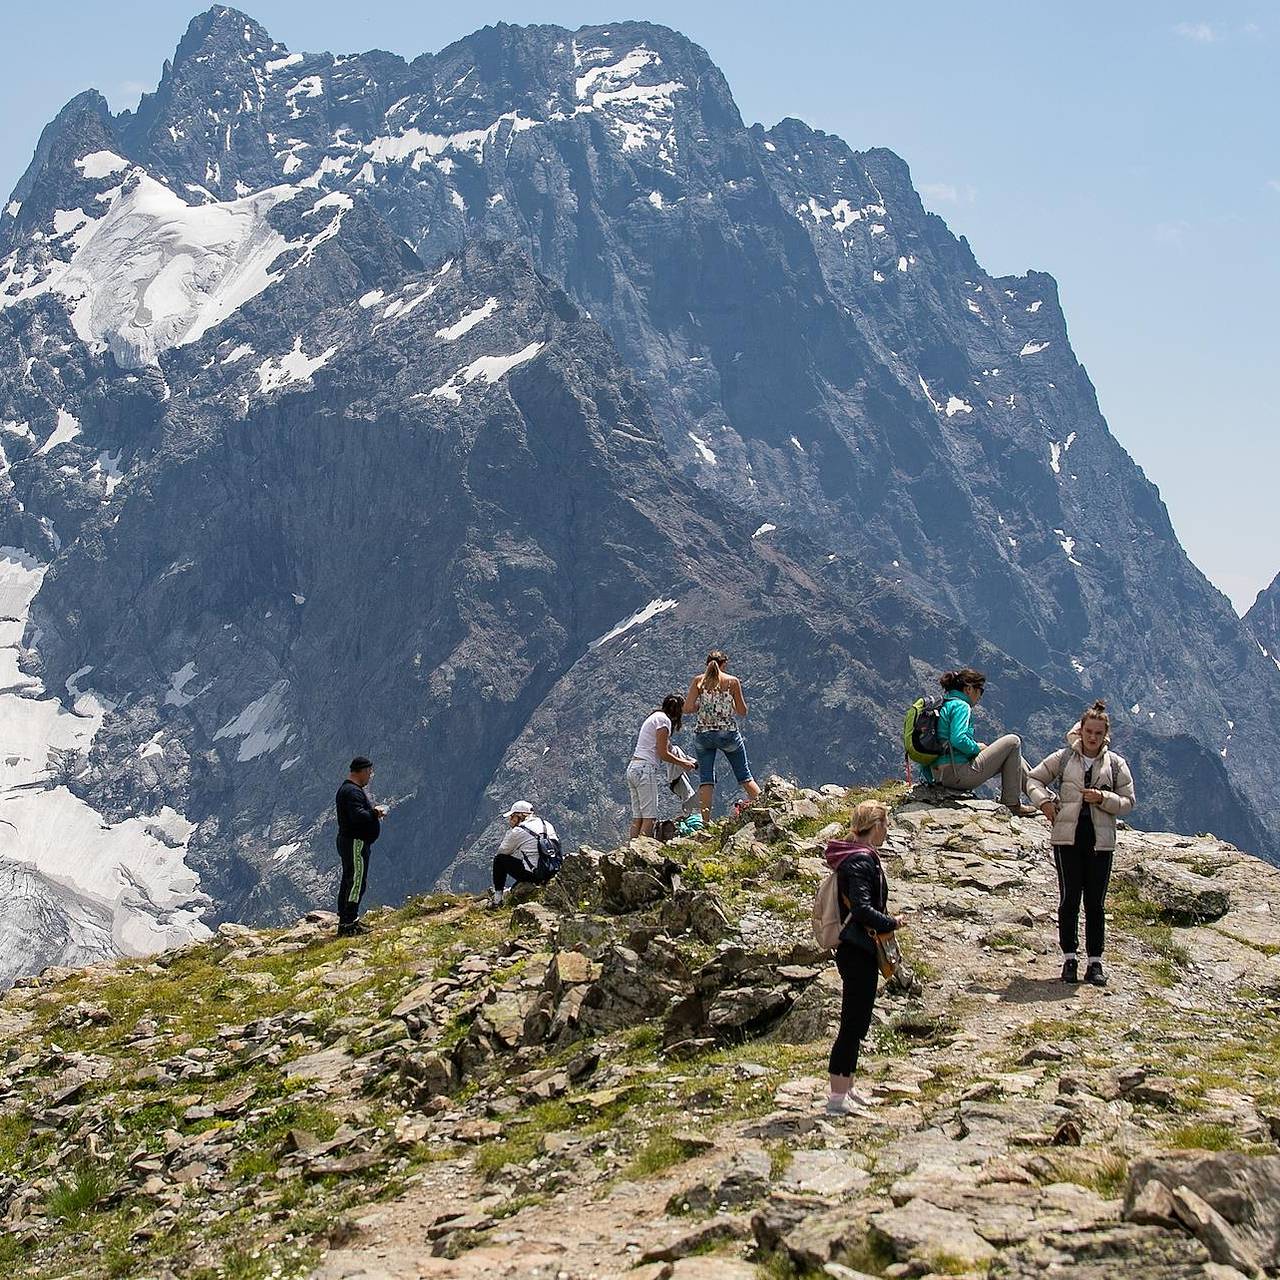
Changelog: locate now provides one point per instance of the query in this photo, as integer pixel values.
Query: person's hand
(982, 746)
(381, 810)
(689, 765)
(1050, 811)
(1092, 795)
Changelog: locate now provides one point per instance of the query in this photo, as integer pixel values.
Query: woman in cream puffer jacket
(1094, 788)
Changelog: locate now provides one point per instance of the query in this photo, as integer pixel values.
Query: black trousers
(859, 976)
(355, 876)
(1083, 876)
(507, 864)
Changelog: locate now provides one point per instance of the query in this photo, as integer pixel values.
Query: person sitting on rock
(717, 698)
(864, 896)
(647, 772)
(519, 853)
(1094, 788)
(966, 763)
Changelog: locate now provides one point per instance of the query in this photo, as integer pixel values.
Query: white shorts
(644, 781)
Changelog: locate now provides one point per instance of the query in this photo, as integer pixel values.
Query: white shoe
(847, 1104)
(495, 900)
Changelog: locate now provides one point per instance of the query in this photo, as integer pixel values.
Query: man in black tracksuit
(359, 823)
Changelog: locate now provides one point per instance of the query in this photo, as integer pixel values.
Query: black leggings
(859, 974)
(507, 864)
(1082, 876)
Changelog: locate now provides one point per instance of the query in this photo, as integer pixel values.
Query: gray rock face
(1263, 619)
(440, 410)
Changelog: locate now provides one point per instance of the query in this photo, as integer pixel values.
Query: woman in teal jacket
(967, 763)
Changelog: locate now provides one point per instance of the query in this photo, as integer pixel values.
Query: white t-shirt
(647, 741)
(522, 841)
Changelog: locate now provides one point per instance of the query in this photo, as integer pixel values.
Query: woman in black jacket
(864, 895)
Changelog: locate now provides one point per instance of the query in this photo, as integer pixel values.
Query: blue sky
(1129, 149)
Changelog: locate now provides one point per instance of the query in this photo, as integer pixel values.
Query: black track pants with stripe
(354, 853)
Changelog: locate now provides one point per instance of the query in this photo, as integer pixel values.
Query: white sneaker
(495, 899)
(847, 1104)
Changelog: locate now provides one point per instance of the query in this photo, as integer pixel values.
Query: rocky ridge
(1263, 619)
(622, 1075)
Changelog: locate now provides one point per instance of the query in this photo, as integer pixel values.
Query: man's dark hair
(361, 762)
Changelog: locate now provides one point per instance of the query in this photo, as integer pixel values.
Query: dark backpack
(550, 855)
(920, 737)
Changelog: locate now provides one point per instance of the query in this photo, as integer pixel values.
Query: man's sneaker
(495, 900)
(353, 930)
(1071, 971)
(1094, 976)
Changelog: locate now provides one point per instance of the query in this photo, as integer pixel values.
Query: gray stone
(1243, 1189)
(1214, 1232)
(920, 1232)
(1181, 896)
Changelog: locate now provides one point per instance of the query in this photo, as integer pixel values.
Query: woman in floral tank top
(717, 699)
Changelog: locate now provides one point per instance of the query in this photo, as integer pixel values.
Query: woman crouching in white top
(647, 772)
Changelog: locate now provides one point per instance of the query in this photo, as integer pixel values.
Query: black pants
(507, 864)
(355, 876)
(1083, 875)
(859, 975)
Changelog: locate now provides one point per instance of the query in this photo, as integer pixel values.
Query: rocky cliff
(449, 411)
(1263, 619)
(623, 1075)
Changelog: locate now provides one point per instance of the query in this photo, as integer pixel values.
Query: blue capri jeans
(729, 741)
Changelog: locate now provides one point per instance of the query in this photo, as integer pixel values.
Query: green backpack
(920, 738)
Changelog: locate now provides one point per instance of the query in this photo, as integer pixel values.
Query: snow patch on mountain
(637, 619)
(67, 429)
(126, 884)
(157, 272)
(296, 366)
(490, 368)
(469, 321)
(101, 164)
(261, 726)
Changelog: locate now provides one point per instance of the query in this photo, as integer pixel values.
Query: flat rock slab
(824, 1172)
(712, 1269)
(326, 1066)
(921, 1232)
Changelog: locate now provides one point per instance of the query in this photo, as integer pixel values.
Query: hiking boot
(1094, 976)
(1071, 971)
(353, 930)
(1022, 810)
(495, 900)
(742, 806)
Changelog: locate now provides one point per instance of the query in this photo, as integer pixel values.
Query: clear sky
(1129, 149)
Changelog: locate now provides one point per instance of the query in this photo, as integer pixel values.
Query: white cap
(521, 807)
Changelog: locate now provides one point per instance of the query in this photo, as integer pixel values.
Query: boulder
(695, 911)
(1181, 896)
(636, 876)
(1243, 1189)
